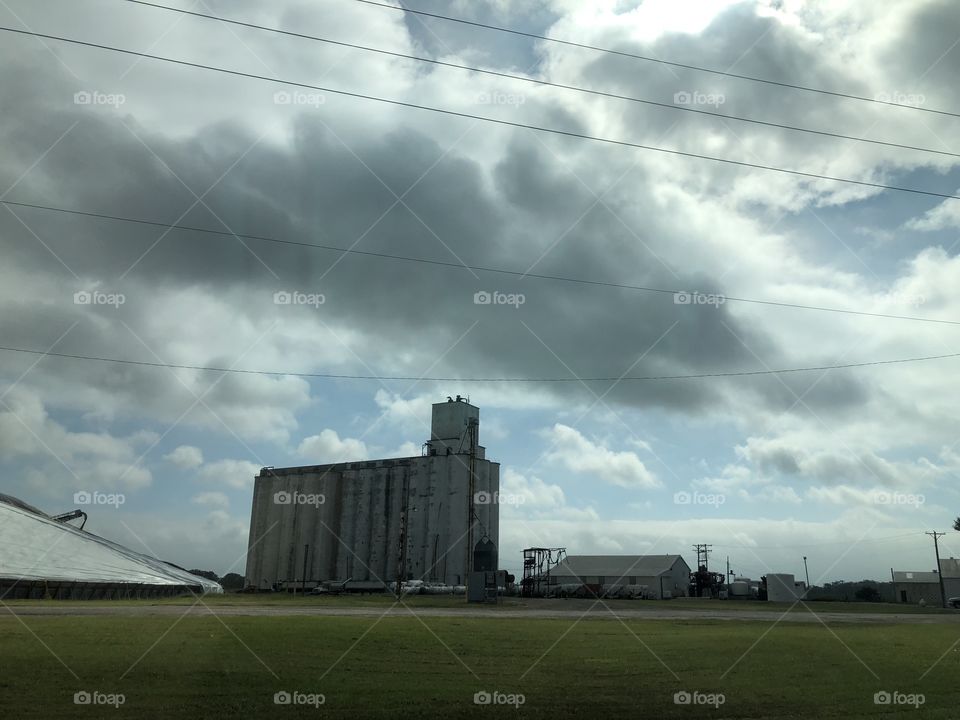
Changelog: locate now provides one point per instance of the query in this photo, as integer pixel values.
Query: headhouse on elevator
(433, 517)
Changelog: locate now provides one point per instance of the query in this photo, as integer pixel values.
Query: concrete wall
(348, 514)
(448, 428)
(911, 593)
(781, 587)
(928, 591)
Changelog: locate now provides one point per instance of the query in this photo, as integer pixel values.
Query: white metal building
(910, 586)
(664, 575)
(950, 568)
(41, 556)
(364, 520)
(782, 587)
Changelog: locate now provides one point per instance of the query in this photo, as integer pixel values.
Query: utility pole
(303, 580)
(702, 552)
(472, 428)
(402, 544)
(807, 573)
(936, 549)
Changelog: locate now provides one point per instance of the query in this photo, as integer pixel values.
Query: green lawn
(385, 600)
(402, 667)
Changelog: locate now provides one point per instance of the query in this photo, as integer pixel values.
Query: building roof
(950, 567)
(916, 576)
(357, 465)
(34, 546)
(616, 565)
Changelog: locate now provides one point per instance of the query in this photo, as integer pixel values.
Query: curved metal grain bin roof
(34, 547)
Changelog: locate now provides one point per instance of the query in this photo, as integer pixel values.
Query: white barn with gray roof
(664, 575)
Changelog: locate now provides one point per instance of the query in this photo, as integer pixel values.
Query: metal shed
(665, 575)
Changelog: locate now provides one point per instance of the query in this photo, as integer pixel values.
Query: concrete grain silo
(373, 521)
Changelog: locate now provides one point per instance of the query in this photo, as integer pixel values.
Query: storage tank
(740, 588)
(780, 588)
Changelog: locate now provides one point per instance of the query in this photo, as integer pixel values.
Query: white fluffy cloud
(534, 493)
(944, 216)
(65, 461)
(328, 447)
(532, 202)
(230, 473)
(185, 456)
(578, 454)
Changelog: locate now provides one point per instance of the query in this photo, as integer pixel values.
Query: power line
(463, 266)
(497, 121)
(686, 66)
(546, 83)
(382, 378)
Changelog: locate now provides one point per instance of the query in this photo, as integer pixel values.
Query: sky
(848, 467)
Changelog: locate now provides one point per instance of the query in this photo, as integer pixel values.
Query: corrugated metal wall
(355, 532)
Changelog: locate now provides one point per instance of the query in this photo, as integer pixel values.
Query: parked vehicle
(331, 588)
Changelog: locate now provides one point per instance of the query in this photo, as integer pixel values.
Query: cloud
(328, 447)
(185, 456)
(232, 473)
(70, 461)
(578, 454)
(536, 494)
(944, 216)
(495, 196)
(217, 499)
(406, 449)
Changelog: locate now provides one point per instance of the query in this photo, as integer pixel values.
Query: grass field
(384, 600)
(413, 667)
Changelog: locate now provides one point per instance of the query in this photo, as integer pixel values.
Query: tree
(956, 524)
(867, 594)
(208, 574)
(232, 581)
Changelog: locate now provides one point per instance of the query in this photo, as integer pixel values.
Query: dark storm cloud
(536, 214)
(916, 61)
(499, 50)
